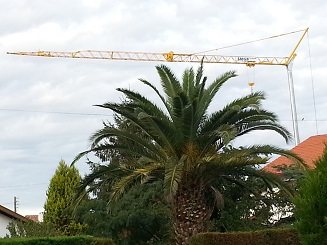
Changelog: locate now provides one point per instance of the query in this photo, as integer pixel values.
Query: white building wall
(4, 221)
(40, 217)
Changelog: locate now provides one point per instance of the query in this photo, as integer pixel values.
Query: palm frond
(143, 145)
(218, 197)
(127, 181)
(216, 139)
(231, 110)
(245, 128)
(212, 90)
(180, 101)
(79, 156)
(143, 103)
(189, 127)
(248, 156)
(103, 175)
(199, 75)
(149, 126)
(163, 100)
(173, 175)
(188, 82)
(169, 82)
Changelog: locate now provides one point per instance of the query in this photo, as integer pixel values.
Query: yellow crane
(195, 58)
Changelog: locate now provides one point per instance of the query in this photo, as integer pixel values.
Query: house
(35, 217)
(309, 150)
(6, 216)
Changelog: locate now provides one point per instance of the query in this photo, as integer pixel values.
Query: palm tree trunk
(191, 212)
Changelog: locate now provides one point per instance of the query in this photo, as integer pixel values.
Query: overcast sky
(46, 104)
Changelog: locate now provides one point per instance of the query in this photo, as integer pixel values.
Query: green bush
(56, 241)
(102, 241)
(263, 237)
(311, 204)
(30, 228)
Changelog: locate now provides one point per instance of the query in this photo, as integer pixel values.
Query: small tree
(311, 204)
(31, 228)
(59, 199)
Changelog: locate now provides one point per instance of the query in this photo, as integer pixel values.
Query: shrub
(56, 241)
(311, 204)
(32, 229)
(102, 241)
(264, 237)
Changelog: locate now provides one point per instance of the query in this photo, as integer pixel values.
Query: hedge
(264, 237)
(74, 240)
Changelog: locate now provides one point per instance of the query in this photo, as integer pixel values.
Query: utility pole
(15, 204)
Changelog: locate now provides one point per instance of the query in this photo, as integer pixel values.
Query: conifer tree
(311, 204)
(59, 198)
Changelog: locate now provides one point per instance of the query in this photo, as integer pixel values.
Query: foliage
(185, 146)
(59, 199)
(292, 173)
(32, 229)
(102, 241)
(250, 208)
(140, 217)
(94, 215)
(263, 237)
(311, 204)
(56, 241)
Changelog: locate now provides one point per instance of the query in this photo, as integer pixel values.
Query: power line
(55, 112)
(12, 186)
(7, 203)
(107, 115)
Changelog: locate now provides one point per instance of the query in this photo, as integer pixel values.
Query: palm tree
(185, 145)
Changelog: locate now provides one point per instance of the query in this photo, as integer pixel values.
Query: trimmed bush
(31, 228)
(102, 241)
(263, 237)
(56, 241)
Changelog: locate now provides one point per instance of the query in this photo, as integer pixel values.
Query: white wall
(40, 217)
(4, 221)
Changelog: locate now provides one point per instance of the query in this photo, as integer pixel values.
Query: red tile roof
(309, 150)
(32, 217)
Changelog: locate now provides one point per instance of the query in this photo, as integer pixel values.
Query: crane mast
(250, 61)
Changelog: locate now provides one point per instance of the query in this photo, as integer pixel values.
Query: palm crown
(184, 144)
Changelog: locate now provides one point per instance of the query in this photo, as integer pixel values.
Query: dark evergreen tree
(139, 217)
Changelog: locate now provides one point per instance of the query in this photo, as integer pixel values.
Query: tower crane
(249, 61)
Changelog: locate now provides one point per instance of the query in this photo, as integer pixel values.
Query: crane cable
(312, 86)
(257, 40)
